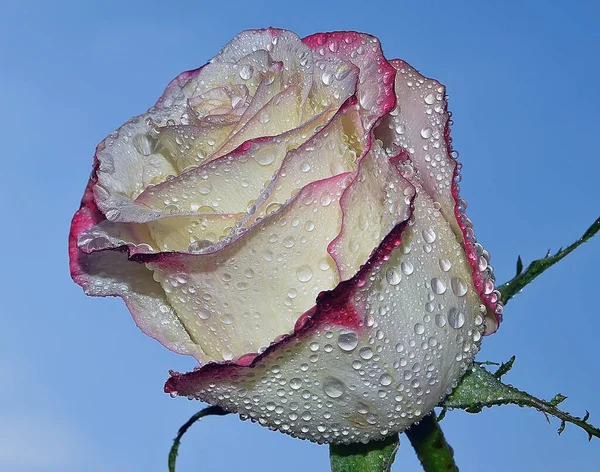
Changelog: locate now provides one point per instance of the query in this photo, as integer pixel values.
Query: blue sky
(82, 387)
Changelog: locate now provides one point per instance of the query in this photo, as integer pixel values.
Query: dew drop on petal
(366, 353)
(407, 267)
(419, 328)
(429, 235)
(333, 387)
(459, 287)
(445, 265)
(266, 158)
(304, 273)
(347, 341)
(429, 99)
(438, 286)
(456, 319)
(246, 72)
(392, 276)
(295, 383)
(385, 379)
(426, 133)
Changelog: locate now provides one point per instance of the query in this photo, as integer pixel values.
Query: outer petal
(420, 125)
(376, 354)
(110, 273)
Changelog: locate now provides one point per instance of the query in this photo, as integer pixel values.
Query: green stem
(515, 285)
(431, 446)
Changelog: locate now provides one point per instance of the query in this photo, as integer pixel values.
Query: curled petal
(376, 76)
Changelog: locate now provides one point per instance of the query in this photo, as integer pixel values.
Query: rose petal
(231, 183)
(420, 125)
(283, 46)
(333, 150)
(191, 233)
(279, 115)
(333, 83)
(220, 296)
(376, 76)
(417, 124)
(376, 201)
(110, 273)
(190, 146)
(338, 381)
(269, 87)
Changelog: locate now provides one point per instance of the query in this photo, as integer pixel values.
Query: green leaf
(519, 265)
(514, 286)
(211, 410)
(480, 388)
(504, 368)
(377, 456)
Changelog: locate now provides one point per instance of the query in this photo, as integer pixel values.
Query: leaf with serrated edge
(480, 388)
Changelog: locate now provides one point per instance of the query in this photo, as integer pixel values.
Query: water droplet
(309, 226)
(385, 380)
(204, 188)
(347, 341)
(333, 388)
(440, 320)
(288, 242)
(366, 353)
(456, 319)
(429, 235)
(445, 265)
(342, 72)
(438, 286)
(327, 78)
(326, 199)
(392, 276)
(407, 267)
(264, 117)
(144, 144)
(304, 58)
(429, 99)
(459, 287)
(296, 383)
(426, 133)
(304, 273)
(419, 328)
(266, 158)
(246, 72)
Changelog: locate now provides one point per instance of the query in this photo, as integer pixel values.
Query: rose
(288, 214)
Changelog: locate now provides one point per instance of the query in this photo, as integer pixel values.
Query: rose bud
(288, 214)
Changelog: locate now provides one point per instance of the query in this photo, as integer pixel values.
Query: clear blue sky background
(81, 388)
